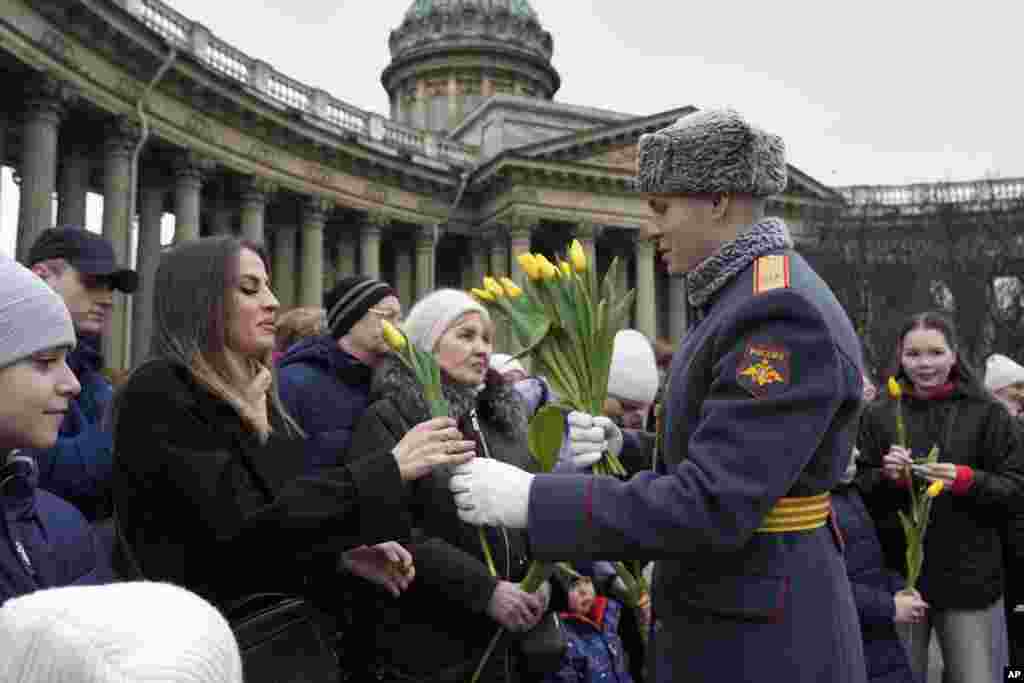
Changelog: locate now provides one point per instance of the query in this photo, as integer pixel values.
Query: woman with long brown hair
(210, 482)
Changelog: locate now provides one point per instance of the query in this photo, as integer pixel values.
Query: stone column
(44, 109)
(189, 171)
(314, 215)
(369, 243)
(151, 211)
(403, 283)
(3, 156)
(477, 263)
(676, 308)
(284, 264)
(346, 264)
(122, 136)
(499, 265)
(255, 193)
(424, 261)
(73, 187)
(519, 243)
(223, 218)
(646, 311)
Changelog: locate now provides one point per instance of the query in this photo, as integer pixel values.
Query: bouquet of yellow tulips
(423, 365)
(566, 321)
(915, 522)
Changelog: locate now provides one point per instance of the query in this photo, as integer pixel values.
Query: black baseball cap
(88, 252)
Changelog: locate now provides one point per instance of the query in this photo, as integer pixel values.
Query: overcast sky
(867, 92)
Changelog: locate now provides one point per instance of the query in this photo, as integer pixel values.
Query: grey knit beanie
(713, 151)
(136, 631)
(435, 313)
(33, 317)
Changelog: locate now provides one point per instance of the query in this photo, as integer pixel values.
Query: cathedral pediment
(621, 157)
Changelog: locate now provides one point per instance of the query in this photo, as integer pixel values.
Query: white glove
(491, 493)
(612, 434)
(590, 437)
(586, 443)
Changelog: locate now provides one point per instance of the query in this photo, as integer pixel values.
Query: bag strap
(125, 549)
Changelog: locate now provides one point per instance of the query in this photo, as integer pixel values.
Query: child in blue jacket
(595, 652)
(44, 541)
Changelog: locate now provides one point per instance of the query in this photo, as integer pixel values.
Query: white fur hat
(434, 314)
(140, 632)
(1001, 372)
(502, 363)
(634, 372)
(33, 317)
(711, 151)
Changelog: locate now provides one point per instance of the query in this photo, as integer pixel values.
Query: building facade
(476, 163)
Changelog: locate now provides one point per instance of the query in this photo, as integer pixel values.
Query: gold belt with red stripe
(797, 514)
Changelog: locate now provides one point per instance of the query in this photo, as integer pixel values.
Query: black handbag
(282, 638)
(542, 648)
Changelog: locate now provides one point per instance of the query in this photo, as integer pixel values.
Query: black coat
(205, 505)
(440, 623)
(963, 555)
(874, 588)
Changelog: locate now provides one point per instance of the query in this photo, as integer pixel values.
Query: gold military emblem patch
(764, 369)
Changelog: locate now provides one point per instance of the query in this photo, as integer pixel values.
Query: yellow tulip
(482, 295)
(895, 390)
(565, 267)
(394, 338)
(578, 256)
(547, 269)
(934, 489)
(529, 265)
(511, 288)
(492, 286)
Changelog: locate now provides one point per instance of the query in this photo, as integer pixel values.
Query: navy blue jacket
(762, 402)
(326, 391)
(873, 589)
(80, 466)
(44, 541)
(594, 653)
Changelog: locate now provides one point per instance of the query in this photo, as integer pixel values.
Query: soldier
(760, 417)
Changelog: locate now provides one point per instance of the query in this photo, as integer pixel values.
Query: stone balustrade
(319, 108)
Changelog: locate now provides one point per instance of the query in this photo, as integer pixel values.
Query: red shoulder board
(764, 369)
(771, 272)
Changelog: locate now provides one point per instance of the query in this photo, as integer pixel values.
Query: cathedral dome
(465, 51)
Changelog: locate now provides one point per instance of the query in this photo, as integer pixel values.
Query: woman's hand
(896, 462)
(430, 444)
(514, 608)
(388, 565)
(910, 608)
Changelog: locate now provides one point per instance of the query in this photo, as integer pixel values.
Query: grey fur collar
(770, 234)
(497, 404)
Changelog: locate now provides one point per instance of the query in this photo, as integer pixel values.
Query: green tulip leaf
(545, 438)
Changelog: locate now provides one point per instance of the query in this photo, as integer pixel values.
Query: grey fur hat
(713, 151)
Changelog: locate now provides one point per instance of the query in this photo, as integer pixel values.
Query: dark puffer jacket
(963, 556)
(873, 589)
(44, 542)
(326, 391)
(440, 627)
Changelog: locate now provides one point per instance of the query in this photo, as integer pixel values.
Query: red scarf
(939, 393)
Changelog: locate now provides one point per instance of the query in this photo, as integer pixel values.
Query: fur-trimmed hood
(498, 403)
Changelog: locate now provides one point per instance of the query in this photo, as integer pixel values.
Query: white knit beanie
(135, 632)
(1001, 372)
(435, 313)
(634, 371)
(503, 362)
(33, 317)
